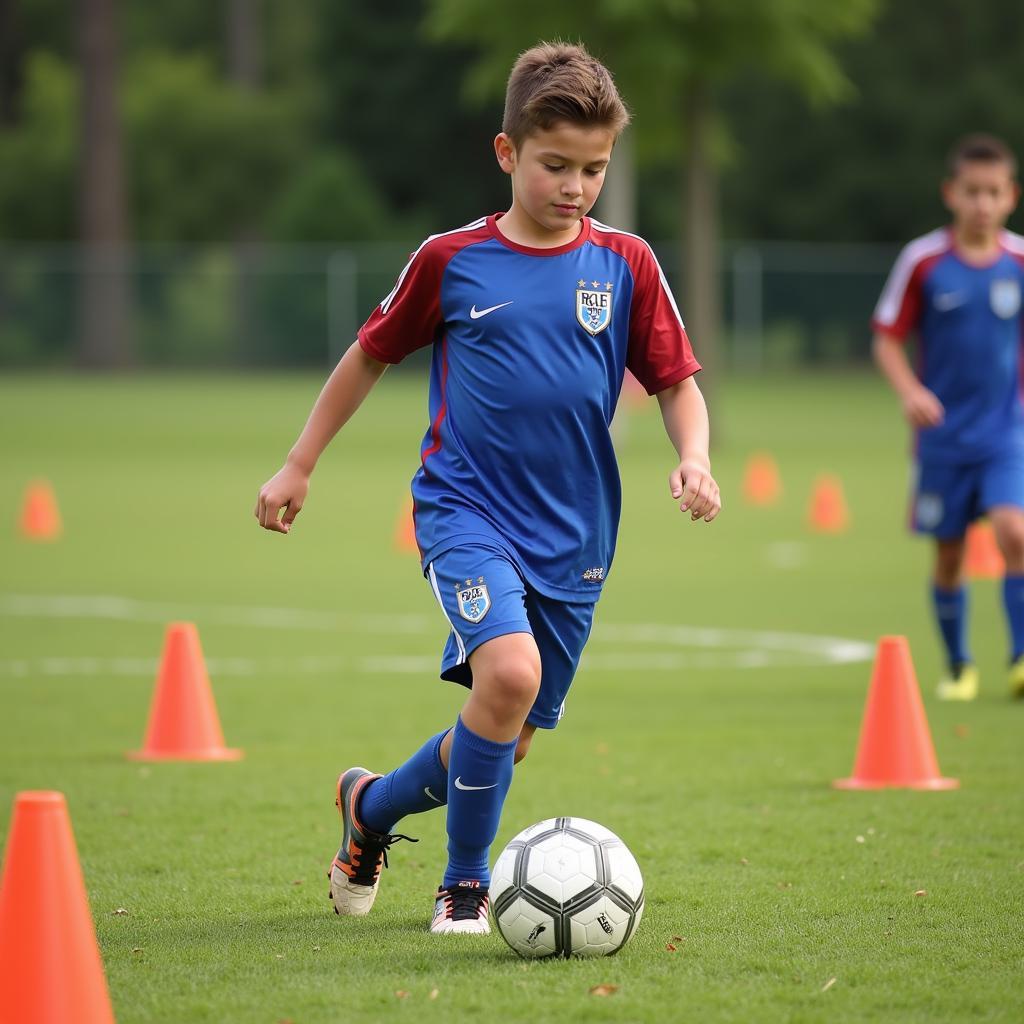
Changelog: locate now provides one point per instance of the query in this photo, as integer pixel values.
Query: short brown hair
(980, 148)
(558, 81)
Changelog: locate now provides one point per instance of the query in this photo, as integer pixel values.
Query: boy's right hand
(286, 489)
(922, 408)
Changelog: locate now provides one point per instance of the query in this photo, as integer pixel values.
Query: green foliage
(330, 199)
(206, 158)
(391, 99)
(37, 158)
(656, 47)
(869, 171)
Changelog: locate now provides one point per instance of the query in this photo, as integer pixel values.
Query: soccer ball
(566, 887)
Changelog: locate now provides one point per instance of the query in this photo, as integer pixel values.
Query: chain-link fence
(273, 305)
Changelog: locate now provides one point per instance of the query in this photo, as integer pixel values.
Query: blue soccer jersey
(969, 327)
(530, 347)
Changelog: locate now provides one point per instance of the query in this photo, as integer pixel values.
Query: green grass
(716, 776)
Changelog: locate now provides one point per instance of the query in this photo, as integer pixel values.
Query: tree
(244, 50)
(868, 172)
(392, 101)
(672, 57)
(104, 300)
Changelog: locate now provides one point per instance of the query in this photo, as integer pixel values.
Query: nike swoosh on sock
(459, 784)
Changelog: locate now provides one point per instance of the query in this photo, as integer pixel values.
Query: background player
(534, 317)
(959, 289)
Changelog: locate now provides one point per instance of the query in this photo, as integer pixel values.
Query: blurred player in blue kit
(533, 317)
(959, 290)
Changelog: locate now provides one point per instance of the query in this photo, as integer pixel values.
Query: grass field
(710, 752)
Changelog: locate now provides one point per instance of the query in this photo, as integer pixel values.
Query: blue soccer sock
(1013, 601)
(420, 784)
(479, 775)
(951, 615)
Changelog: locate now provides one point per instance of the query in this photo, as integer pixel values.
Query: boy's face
(981, 195)
(557, 176)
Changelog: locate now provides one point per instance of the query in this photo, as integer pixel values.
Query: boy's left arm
(686, 422)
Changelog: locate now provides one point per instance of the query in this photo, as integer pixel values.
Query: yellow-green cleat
(1017, 677)
(961, 684)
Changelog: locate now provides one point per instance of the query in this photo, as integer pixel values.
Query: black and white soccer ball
(566, 887)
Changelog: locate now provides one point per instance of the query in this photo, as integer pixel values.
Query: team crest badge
(929, 511)
(594, 306)
(473, 599)
(1004, 297)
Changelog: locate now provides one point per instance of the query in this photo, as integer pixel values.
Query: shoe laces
(372, 851)
(464, 903)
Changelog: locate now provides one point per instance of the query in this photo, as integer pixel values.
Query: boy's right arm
(920, 405)
(352, 380)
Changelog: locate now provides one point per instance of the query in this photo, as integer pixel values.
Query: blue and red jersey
(968, 324)
(530, 347)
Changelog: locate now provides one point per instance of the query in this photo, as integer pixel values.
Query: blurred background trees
(331, 122)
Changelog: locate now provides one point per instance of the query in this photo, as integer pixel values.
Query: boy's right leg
(944, 503)
(370, 806)
(355, 870)
(949, 602)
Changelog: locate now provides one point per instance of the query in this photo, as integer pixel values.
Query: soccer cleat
(461, 909)
(355, 871)
(962, 683)
(1017, 677)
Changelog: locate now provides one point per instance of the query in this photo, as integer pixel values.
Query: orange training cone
(405, 531)
(983, 560)
(761, 483)
(827, 512)
(183, 722)
(895, 746)
(40, 519)
(50, 966)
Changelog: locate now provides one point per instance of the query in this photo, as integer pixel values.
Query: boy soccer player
(959, 288)
(534, 316)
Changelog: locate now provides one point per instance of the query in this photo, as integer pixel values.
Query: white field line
(651, 647)
(127, 609)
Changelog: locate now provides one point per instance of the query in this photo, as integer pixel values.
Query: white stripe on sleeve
(891, 300)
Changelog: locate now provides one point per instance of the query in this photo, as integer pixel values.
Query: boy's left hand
(692, 483)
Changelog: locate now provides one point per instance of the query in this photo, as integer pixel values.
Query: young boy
(534, 316)
(959, 289)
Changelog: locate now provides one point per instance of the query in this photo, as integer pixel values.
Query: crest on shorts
(473, 599)
(1004, 297)
(928, 511)
(594, 305)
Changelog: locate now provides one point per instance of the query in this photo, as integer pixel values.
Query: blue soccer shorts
(947, 498)
(483, 596)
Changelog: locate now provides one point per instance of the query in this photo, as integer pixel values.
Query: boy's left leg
(370, 806)
(945, 500)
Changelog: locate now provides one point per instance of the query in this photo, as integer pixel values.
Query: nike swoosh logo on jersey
(946, 301)
(426, 789)
(475, 313)
(459, 784)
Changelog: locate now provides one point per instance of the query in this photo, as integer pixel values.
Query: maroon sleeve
(410, 315)
(901, 303)
(899, 307)
(659, 351)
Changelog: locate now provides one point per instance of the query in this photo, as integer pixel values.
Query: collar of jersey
(492, 226)
(1004, 250)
